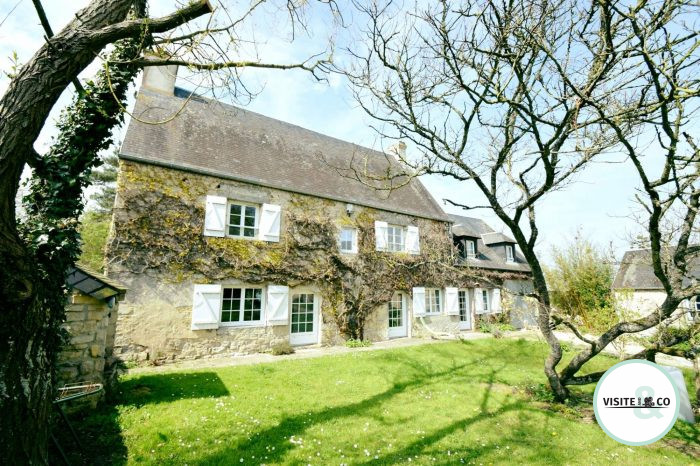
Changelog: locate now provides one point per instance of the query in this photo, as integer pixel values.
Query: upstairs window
(348, 240)
(470, 248)
(395, 238)
(242, 220)
(510, 254)
(432, 301)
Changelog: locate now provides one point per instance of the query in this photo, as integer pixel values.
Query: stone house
(236, 232)
(639, 292)
(91, 317)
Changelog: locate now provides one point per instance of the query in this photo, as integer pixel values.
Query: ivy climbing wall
(157, 249)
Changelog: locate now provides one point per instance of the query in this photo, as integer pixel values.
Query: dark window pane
(225, 317)
(248, 305)
(250, 211)
(235, 209)
(247, 315)
(235, 316)
(227, 293)
(256, 315)
(226, 305)
(257, 293)
(249, 221)
(249, 232)
(236, 292)
(309, 327)
(257, 304)
(295, 318)
(234, 231)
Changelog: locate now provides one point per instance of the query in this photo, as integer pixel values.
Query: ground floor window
(240, 305)
(396, 311)
(432, 301)
(485, 298)
(302, 313)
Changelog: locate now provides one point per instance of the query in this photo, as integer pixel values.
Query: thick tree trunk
(28, 333)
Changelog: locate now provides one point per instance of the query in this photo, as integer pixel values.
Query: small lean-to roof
(486, 257)
(209, 137)
(93, 283)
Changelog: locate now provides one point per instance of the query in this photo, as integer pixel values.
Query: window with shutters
(241, 306)
(348, 240)
(242, 220)
(485, 299)
(432, 301)
(395, 238)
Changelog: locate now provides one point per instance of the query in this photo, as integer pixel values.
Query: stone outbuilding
(91, 317)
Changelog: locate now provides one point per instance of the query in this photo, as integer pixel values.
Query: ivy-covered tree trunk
(31, 275)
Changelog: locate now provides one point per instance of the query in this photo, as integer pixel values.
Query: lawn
(472, 402)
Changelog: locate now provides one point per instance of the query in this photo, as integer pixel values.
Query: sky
(598, 203)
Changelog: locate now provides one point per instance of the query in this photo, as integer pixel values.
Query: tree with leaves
(36, 253)
(518, 97)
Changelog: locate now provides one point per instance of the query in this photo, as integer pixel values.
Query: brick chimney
(160, 79)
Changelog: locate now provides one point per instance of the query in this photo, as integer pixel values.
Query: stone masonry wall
(91, 326)
(157, 250)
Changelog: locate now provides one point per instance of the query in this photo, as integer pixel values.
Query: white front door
(465, 313)
(398, 326)
(303, 329)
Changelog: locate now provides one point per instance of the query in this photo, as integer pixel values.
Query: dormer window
(470, 248)
(510, 253)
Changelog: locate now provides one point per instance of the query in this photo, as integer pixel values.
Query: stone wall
(158, 251)
(91, 326)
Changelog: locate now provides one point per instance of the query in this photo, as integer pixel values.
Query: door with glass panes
(465, 312)
(397, 316)
(303, 317)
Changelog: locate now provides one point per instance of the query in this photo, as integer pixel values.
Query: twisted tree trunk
(29, 281)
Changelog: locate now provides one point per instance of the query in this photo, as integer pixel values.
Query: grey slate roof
(94, 283)
(487, 257)
(222, 140)
(496, 238)
(636, 272)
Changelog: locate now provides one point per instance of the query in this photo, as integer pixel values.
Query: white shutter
(412, 240)
(479, 301)
(418, 301)
(354, 241)
(277, 305)
(206, 302)
(215, 216)
(380, 234)
(496, 300)
(269, 225)
(452, 301)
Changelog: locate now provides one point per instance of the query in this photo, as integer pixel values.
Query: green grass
(472, 402)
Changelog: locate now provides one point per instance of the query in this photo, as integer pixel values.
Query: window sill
(348, 252)
(257, 323)
(430, 314)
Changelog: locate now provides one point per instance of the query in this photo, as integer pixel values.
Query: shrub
(282, 348)
(580, 282)
(353, 343)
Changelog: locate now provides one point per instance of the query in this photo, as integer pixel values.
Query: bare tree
(32, 270)
(517, 97)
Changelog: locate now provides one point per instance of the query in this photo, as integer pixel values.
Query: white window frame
(486, 300)
(242, 323)
(353, 240)
(470, 242)
(431, 302)
(510, 253)
(243, 206)
(391, 245)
